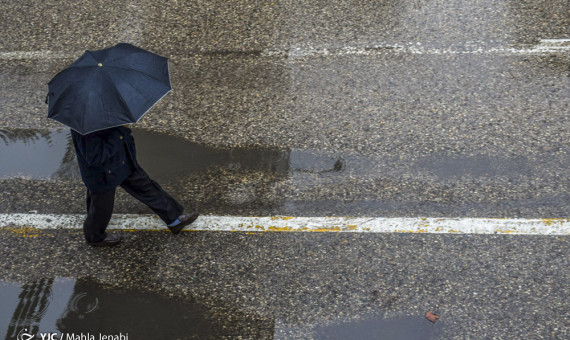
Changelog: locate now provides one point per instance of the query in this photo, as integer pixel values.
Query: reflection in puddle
(165, 156)
(266, 180)
(68, 306)
(44, 154)
(405, 328)
(37, 154)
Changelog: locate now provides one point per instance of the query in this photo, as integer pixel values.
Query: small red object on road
(432, 317)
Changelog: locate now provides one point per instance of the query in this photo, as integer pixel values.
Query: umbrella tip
(100, 64)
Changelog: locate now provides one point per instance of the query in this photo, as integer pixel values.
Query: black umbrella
(107, 88)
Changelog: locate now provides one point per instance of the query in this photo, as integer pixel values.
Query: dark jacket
(106, 157)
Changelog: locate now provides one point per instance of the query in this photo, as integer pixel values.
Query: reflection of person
(33, 302)
(107, 159)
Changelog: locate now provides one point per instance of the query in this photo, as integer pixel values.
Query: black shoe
(184, 221)
(109, 241)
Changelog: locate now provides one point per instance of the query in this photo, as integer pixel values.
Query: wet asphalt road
(300, 285)
(438, 116)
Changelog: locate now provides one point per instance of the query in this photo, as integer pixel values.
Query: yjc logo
(24, 336)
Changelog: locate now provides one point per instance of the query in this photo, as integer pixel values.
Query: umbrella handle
(47, 96)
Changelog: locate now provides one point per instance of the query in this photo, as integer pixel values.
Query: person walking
(107, 159)
(95, 96)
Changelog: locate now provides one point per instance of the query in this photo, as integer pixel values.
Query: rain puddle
(82, 309)
(37, 154)
(64, 308)
(267, 180)
(475, 166)
(404, 328)
(49, 154)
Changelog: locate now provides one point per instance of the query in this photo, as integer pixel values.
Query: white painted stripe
(545, 46)
(548, 46)
(15, 55)
(307, 224)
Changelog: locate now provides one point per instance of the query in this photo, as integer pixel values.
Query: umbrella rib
(128, 55)
(132, 69)
(142, 96)
(81, 66)
(137, 90)
(120, 95)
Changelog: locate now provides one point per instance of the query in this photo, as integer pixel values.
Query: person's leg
(99, 211)
(140, 186)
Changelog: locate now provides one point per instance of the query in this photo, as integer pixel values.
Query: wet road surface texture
(307, 285)
(372, 108)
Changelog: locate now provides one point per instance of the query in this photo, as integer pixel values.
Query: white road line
(307, 224)
(16, 55)
(545, 46)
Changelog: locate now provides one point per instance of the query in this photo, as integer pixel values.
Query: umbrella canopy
(107, 88)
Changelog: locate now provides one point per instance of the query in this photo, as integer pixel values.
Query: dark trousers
(139, 185)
